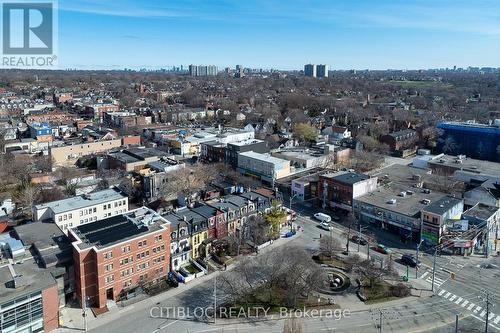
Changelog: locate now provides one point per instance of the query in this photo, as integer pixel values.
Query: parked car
(325, 226)
(323, 217)
(359, 240)
(382, 249)
(172, 281)
(409, 260)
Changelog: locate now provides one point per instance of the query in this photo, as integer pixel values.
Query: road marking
(497, 319)
(441, 292)
(482, 313)
(478, 308)
(167, 325)
(452, 298)
(424, 275)
(464, 304)
(495, 327)
(491, 316)
(460, 299)
(471, 306)
(448, 294)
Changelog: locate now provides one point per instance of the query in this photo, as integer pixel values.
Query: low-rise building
(28, 298)
(338, 190)
(75, 211)
(234, 148)
(134, 159)
(435, 216)
(116, 255)
(263, 166)
(402, 143)
(69, 154)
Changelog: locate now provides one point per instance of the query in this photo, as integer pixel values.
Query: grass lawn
(379, 292)
(191, 269)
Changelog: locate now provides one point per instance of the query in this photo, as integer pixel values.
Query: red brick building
(114, 256)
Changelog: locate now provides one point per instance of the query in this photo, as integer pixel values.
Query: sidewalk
(71, 319)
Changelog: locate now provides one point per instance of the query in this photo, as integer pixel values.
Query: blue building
(39, 129)
(478, 141)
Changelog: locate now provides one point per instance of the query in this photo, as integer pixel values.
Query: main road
(464, 295)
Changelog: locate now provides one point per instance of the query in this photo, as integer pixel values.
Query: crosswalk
(476, 309)
(438, 281)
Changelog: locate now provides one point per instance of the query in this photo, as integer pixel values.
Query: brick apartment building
(402, 143)
(114, 256)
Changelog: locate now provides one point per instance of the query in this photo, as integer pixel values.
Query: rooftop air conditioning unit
(391, 201)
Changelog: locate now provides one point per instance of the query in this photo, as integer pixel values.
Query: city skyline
(343, 35)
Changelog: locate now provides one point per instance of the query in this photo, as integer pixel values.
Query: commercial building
(234, 148)
(69, 154)
(41, 131)
(114, 256)
(479, 141)
(338, 190)
(155, 175)
(28, 298)
(487, 220)
(75, 211)
(134, 159)
(263, 166)
(310, 70)
(435, 216)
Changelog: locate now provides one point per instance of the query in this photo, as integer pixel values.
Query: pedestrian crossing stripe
(491, 316)
(497, 319)
(441, 292)
(448, 294)
(471, 306)
(482, 313)
(478, 308)
(464, 304)
(424, 275)
(452, 298)
(459, 300)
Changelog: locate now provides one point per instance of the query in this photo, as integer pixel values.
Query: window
(95, 209)
(70, 216)
(60, 219)
(104, 207)
(108, 255)
(126, 249)
(109, 278)
(81, 213)
(108, 267)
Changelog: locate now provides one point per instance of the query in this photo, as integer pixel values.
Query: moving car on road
(359, 240)
(325, 226)
(323, 217)
(409, 260)
(381, 249)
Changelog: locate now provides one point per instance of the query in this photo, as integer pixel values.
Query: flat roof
(400, 173)
(246, 142)
(409, 205)
(116, 229)
(442, 205)
(82, 201)
(31, 279)
(467, 164)
(480, 211)
(347, 177)
(264, 157)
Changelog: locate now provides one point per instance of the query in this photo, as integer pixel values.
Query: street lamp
(290, 207)
(416, 263)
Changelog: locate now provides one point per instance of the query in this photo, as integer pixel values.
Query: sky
(281, 34)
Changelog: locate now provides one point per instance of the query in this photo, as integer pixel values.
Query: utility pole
(434, 269)
(380, 321)
(488, 299)
(215, 300)
(456, 323)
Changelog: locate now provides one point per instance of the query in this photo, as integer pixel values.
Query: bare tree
(329, 245)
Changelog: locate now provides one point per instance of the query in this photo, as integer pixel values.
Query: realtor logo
(27, 28)
(28, 33)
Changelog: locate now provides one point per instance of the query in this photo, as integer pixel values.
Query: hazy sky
(286, 34)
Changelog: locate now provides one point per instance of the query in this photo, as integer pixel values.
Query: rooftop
(264, 157)
(347, 177)
(410, 204)
(246, 142)
(116, 229)
(83, 201)
(443, 205)
(482, 212)
(50, 242)
(464, 163)
(30, 279)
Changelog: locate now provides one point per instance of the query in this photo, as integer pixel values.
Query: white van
(323, 217)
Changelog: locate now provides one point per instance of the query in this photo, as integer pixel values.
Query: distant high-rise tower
(322, 70)
(239, 71)
(202, 70)
(310, 70)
